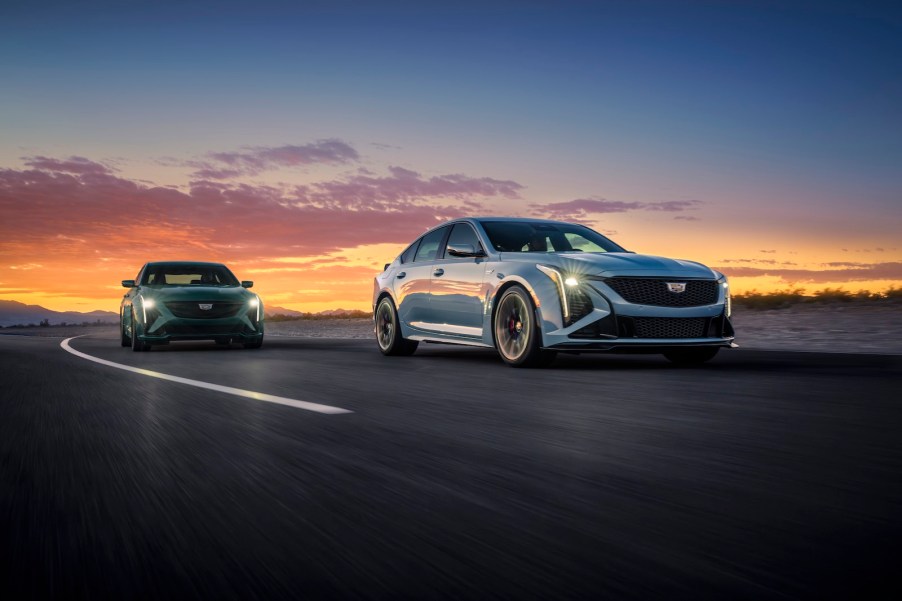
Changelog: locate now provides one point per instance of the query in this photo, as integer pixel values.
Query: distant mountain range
(283, 312)
(15, 313)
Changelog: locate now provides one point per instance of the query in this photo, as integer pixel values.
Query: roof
(517, 219)
(185, 263)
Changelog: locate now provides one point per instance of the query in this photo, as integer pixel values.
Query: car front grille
(669, 327)
(654, 291)
(192, 310)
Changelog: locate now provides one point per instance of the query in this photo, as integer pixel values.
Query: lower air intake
(670, 327)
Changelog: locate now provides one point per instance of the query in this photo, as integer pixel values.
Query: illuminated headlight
(571, 281)
(255, 303)
(728, 302)
(146, 303)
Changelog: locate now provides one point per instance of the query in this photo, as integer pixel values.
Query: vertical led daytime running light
(558, 279)
(727, 298)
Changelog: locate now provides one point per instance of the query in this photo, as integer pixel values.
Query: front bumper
(239, 329)
(614, 325)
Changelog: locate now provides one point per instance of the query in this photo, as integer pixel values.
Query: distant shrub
(356, 314)
(779, 299)
(782, 299)
(838, 295)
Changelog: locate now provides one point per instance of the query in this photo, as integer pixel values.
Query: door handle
(438, 272)
(401, 275)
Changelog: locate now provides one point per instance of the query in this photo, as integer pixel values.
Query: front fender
(540, 288)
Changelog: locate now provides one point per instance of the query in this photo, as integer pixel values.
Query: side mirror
(247, 284)
(128, 283)
(464, 250)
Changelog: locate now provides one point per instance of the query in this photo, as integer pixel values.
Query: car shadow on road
(726, 361)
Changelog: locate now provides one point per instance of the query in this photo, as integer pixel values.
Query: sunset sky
(305, 143)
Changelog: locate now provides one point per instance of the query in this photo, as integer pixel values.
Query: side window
(429, 245)
(407, 255)
(463, 234)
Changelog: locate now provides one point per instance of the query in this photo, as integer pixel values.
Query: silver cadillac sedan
(531, 288)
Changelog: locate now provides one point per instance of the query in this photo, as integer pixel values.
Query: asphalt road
(762, 475)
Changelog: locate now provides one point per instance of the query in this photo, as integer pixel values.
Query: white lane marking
(250, 394)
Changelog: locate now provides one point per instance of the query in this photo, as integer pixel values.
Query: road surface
(762, 475)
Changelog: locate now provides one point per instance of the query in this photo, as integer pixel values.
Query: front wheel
(691, 356)
(137, 345)
(124, 339)
(517, 335)
(388, 334)
(254, 344)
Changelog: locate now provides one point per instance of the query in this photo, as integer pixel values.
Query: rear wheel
(692, 356)
(137, 345)
(388, 334)
(517, 335)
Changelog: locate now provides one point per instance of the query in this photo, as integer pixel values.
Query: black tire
(123, 337)
(137, 345)
(516, 331)
(388, 334)
(253, 345)
(223, 341)
(692, 356)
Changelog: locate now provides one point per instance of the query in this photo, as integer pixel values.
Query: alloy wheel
(513, 325)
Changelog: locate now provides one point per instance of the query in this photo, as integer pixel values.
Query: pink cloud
(255, 160)
(580, 208)
(671, 206)
(74, 164)
(101, 213)
(404, 185)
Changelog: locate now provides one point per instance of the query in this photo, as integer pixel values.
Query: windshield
(188, 275)
(546, 237)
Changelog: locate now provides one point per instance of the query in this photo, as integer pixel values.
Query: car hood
(617, 264)
(197, 293)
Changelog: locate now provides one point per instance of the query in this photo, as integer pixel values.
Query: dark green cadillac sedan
(186, 300)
